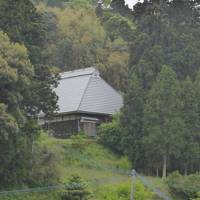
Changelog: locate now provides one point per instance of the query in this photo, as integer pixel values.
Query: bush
(76, 189)
(122, 192)
(141, 193)
(110, 135)
(198, 197)
(44, 170)
(79, 141)
(116, 192)
(124, 163)
(188, 186)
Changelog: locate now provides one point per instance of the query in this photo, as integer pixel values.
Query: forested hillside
(150, 54)
(160, 118)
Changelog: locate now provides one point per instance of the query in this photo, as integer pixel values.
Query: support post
(133, 176)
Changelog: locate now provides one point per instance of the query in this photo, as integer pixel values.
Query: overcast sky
(131, 2)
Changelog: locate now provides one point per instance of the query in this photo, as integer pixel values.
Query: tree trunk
(157, 172)
(164, 166)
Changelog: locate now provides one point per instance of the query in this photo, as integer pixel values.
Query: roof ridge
(84, 93)
(79, 72)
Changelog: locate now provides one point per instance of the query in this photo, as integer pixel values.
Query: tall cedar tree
(164, 36)
(132, 114)
(164, 126)
(190, 116)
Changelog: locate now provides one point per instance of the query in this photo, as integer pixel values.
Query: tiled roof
(85, 91)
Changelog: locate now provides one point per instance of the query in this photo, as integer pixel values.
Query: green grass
(161, 184)
(95, 164)
(84, 157)
(104, 172)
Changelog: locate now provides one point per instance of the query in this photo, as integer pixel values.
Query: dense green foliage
(74, 43)
(197, 197)
(160, 118)
(102, 172)
(188, 186)
(162, 122)
(23, 24)
(151, 54)
(15, 78)
(110, 135)
(122, 192)
(61, 159)
(26, 89)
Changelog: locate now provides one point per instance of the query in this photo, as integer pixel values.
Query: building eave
(80, 112)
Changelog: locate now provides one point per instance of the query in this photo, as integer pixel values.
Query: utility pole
(133, 176)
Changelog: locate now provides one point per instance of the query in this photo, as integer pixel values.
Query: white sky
(131, 3)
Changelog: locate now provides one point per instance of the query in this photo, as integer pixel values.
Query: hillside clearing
(85, 158)
(104, 172)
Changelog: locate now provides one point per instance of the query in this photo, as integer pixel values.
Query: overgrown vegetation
(151, 54)
(159, 123)
(187, 186)
(26, 89)
(87, 169)
(110, 135)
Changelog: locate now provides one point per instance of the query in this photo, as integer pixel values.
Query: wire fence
(32, 190)
(133, 173)
(150, 186)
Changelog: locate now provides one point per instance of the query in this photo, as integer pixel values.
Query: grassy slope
(162, 186)
(84, 157)
(95, 164)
